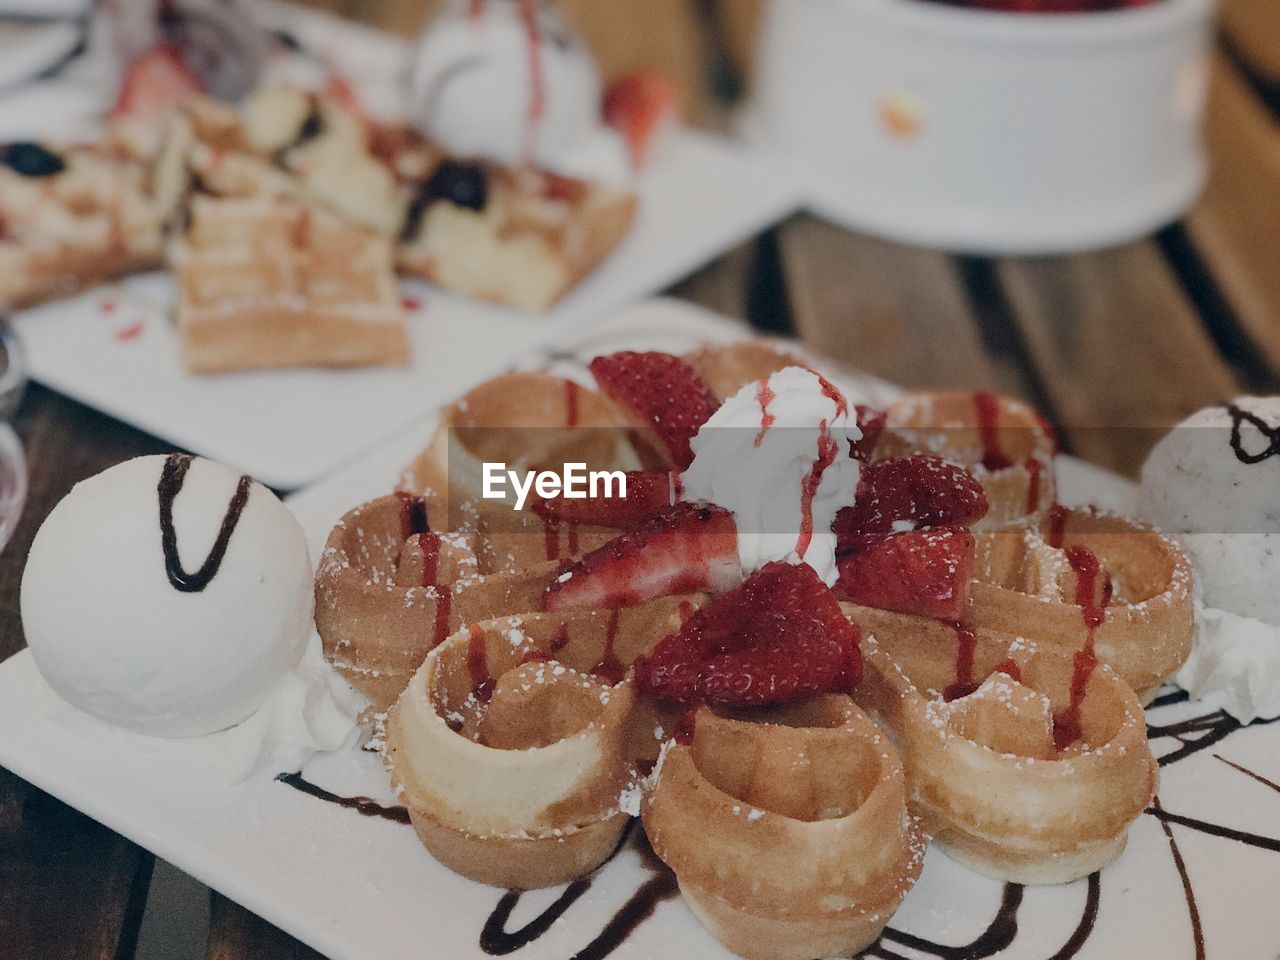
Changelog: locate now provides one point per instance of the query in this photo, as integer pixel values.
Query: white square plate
(363, 889)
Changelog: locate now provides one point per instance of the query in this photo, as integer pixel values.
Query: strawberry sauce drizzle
(610, 668)
(537, 87)
(766, 396)
(413, 515)
(1057, 526)
(834, 395)
(572, 392)
(1033, 468)
(478, 665)
(827, 450)
(1093, 593)
(1009, 667)
(430, 547)
(966, 644)
(988, 410)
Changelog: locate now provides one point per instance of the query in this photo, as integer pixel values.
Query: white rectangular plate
(357, 888)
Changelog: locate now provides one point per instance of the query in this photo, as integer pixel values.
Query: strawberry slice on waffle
(661, 392)
(908, 493)
(925, 572)
(688, 548)
(778, 637)
(647, 493)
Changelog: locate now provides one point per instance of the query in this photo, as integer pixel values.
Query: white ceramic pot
(989, 132)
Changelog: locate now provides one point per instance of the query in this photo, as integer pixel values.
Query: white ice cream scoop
(168, 595)
(1212, 482)
(506, 80)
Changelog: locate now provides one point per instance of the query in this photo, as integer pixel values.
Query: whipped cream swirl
(777, 455)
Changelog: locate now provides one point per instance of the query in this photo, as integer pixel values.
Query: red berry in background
(641, 106)
(660, 392)
(780, 636)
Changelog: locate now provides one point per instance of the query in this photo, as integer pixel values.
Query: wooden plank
(236, 934)
(1236, 225)
(69, 888)
(50, 855)
(1118, 346)
(1252, 30)
(724, 284)
(899, 312)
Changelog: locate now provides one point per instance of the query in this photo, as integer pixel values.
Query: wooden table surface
(1136, 336)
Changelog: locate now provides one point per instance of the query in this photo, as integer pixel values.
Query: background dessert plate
(116, 349)
(1196, 881)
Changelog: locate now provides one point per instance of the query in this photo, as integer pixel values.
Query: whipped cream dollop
(1234, 664)
(509, 80)
(777, 455)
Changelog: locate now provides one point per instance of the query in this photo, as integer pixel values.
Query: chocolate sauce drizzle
(365, 806)
(171, 480)
(1239, 417)
(661, 885)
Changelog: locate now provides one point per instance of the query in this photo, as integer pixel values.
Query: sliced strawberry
(687, 548)
(640, 106)
(920, 491)
(155, 83)
(661, 392)
(871, 422)
(647, 494)
(926, 572)
(778, 637)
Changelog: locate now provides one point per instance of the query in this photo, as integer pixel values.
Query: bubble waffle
(267, 283)
(1035, 582)
(1005, 444)
(525, 420)
(1020, 769)
(515, 742)
(388, 591)
(72, 218)
(787, 828)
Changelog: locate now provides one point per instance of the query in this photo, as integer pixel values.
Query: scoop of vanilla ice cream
(759, 474)
(1224, 512)
(113, 636)
(486, 82)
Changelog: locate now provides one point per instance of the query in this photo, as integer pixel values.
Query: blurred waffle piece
(514, 745)
(521, 237)
(267, 283)
(71, 218)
